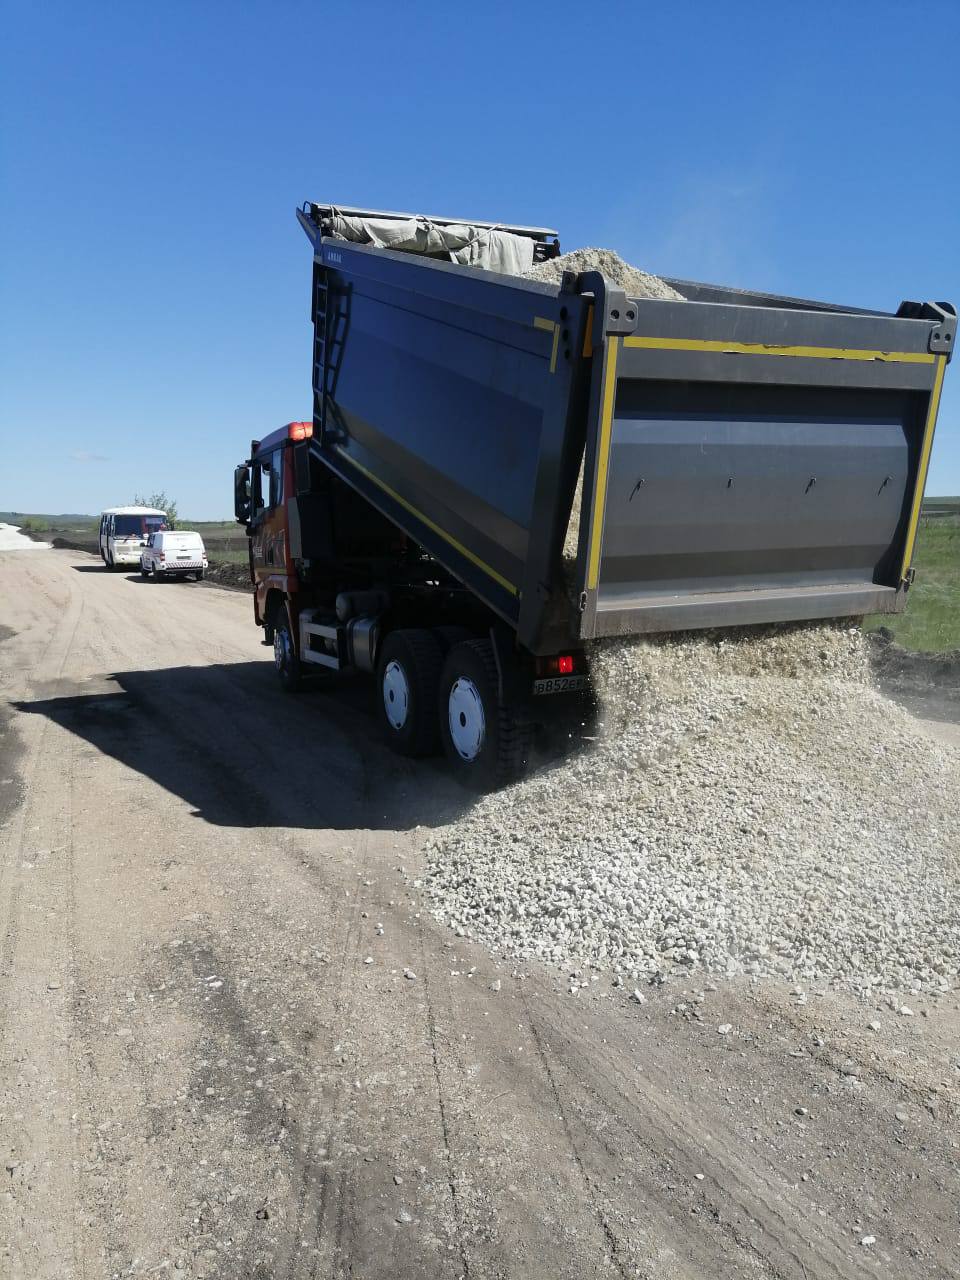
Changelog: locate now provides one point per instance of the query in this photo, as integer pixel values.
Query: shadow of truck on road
(226, 740)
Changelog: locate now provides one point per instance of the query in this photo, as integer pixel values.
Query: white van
(123, 532)
(173, 553)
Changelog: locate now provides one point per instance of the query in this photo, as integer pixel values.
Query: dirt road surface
(213, 1064)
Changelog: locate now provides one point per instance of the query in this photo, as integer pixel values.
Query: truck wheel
(408, 677)
(486, 742)
(285, 656)
(144, 571)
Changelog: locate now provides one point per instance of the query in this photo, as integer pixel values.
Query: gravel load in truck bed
(634, 282)
(753, 805)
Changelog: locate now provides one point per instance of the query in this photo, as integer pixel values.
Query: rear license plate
(559, 684)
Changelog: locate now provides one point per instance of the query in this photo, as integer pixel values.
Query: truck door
(268, 522)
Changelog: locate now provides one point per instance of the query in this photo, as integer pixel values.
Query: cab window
(268, 481)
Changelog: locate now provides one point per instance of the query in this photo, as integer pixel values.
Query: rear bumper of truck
(644, 614)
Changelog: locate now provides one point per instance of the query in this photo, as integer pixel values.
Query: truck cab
(263, 485)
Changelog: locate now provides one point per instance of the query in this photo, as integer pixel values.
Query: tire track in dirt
(445, 1126)
(320, 1196)
(38, 843)
(782, 1234)
(613, 1247)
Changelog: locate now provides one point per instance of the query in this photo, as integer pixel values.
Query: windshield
(127, 526)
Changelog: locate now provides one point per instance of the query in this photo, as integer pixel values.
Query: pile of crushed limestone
(752, 804)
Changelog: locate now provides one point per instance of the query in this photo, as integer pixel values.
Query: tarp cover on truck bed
(471, 246)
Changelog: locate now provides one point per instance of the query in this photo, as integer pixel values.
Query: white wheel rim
(396, 694)
(466, 719)
(282, 648)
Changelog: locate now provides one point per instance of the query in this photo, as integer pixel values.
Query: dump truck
(730, 458)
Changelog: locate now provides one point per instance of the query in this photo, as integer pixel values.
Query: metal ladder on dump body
(328, 342)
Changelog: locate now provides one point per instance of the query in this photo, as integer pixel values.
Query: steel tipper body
(757, 460)
(748, 458)
(733, 458)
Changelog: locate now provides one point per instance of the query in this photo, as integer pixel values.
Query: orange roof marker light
(300, 430)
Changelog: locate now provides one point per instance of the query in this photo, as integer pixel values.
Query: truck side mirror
(242, 507)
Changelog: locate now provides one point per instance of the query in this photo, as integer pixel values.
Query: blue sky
(154, 284)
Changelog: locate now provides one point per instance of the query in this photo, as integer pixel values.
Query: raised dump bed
(746, 458)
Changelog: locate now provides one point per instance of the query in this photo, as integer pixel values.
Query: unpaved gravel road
(203, 1075)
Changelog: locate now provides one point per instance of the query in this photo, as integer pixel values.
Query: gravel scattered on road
(753, 805)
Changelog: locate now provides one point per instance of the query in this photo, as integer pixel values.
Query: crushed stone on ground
(752, 805)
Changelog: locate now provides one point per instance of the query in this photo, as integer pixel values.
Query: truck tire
(285, 657)
(450, 634)
(486, 742)
(408, 677)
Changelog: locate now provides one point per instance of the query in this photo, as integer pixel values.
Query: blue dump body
(744, 458)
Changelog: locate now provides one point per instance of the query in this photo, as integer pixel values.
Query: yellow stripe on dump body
(765, 349)
(588, 335)
(541, 322)
(553, 353)
(435, 528)
(925, 449)
(603, 464)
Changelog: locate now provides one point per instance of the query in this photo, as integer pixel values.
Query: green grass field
(931, 623)
(225, 540)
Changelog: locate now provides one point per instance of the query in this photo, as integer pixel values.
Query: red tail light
(563, 665)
